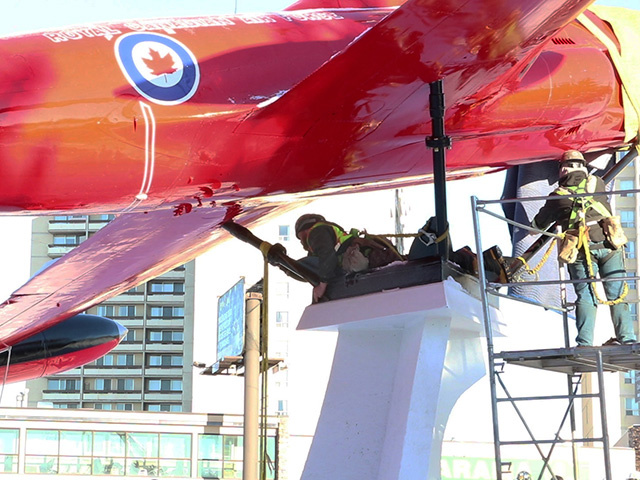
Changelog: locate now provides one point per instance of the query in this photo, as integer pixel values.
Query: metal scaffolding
(571, 361)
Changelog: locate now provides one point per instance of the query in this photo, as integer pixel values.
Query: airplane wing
(357, 105)
(133, 248)
(350, 101)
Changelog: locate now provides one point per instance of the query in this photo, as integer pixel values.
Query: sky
(30, 15)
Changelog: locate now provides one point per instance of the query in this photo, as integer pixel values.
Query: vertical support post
(251, 386)
(603, 418)
(570, 384)
(438, 142)
(489, 334)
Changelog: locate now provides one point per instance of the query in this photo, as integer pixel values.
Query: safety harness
(341, 235)
(577, 221)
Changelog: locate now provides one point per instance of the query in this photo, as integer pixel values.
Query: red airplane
(178, 125)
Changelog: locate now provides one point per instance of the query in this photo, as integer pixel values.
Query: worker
(334, 252)
(604, 238)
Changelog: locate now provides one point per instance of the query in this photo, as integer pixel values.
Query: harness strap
(587, 254)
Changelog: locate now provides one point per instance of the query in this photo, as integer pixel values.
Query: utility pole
(251, 385)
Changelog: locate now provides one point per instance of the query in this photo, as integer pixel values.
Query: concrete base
(402, 360)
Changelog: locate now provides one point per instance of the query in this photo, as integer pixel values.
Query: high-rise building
(151, 368)
(626, 206)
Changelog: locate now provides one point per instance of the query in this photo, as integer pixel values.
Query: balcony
(162, 396)
(164, 371)
(166, 298)
(129, 347)
(164, 347)
(111, 396)
(59, 395)
(130, 322)
(172, 275)
(67, 226)
(59, 250)
(126, 297)
(112, 371)
(164, 322)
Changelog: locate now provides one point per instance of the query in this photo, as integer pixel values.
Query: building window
(167, 312)
(102, 218)
(630, 249)
(626, 185)
(164, 360)
(164, 385)
(627, 218)
(103, 384)
(69, 218)
(283, 233)
(163, 407)
(282, 407)
(633, 311)
(126, 311)
(65, 405)
(126, 407)
(282, 319)
(125, 384)
(106, 453)
(135, 290)
(131, 337)
(166, 287)
(124, 359)
(9, 440)
(631, 407)
(220, 456)
(117, 311)
(630, 377)
(63, 384)
(106, 361)
(68, 240)
(166, 336)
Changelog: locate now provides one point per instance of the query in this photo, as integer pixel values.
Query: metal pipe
(482, 281)
(603, 417)
(251, 385)
(276, 254)
(438, 142)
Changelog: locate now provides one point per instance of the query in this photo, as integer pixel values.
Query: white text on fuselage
(170, 26)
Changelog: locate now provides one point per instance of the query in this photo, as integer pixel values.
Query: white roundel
(159, 67)
(167, 72)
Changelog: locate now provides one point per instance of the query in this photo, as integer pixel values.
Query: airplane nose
(122, 331)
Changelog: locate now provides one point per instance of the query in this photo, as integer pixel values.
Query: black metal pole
(438, 142)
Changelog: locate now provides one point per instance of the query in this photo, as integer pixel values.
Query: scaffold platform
(575, 360)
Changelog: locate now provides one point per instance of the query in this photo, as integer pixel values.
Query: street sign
(231, 322)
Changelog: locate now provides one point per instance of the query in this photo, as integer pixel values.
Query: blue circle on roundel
(174, 92)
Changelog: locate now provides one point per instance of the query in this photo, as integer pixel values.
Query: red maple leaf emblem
(158, 64)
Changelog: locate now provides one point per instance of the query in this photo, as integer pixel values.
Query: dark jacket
(322, 243)
(559, 210)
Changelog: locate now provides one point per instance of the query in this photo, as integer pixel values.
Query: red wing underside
(132, 249)
(371, 101)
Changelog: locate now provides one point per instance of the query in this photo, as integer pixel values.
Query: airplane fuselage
(143, 115)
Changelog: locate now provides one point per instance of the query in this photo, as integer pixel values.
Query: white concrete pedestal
(402, 360)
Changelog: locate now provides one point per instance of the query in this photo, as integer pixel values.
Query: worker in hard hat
(325, 241)
(337, 251)
(593, 243)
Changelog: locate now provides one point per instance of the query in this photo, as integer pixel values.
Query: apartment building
(151, 369)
